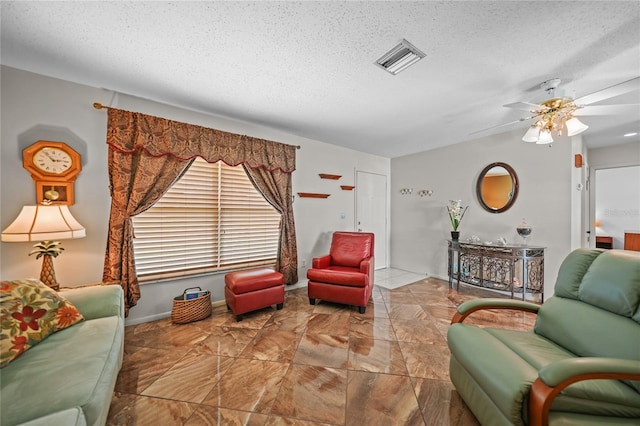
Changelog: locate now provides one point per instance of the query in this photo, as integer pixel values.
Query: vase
(455, 235)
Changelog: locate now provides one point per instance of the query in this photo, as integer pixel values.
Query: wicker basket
(185, 311)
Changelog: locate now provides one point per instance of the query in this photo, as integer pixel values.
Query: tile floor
(304, 365)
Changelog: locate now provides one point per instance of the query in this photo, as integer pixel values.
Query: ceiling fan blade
(606, 109)
(526, 106)
(505, 124)
(609, 92)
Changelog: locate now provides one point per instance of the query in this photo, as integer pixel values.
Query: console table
(513, 269)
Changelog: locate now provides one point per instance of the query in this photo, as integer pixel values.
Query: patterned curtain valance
(130, 132)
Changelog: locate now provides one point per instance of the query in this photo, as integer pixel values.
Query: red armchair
(345, 275)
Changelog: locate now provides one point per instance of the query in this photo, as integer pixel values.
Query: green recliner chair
(580, 365)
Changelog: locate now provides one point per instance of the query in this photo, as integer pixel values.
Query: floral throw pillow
(31, 311)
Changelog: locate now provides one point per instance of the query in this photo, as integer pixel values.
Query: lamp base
(48, 274)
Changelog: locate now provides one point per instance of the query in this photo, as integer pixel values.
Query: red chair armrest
(321, 262)
(366, 267)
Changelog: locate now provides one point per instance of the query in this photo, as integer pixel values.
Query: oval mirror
(497, 187)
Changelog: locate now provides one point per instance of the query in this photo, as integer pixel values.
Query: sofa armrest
(97, 301)
(321, 262)
(555, 377)
(470, 306)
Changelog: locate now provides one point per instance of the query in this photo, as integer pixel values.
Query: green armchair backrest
(595, 311)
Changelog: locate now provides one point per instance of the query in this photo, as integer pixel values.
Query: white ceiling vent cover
(400, 57)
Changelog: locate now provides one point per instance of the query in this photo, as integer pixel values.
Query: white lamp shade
(38, 223)
(532, 134)
(544, 138)
(575, 126)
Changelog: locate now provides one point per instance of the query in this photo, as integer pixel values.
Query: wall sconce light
(425, 192)
(406, 191)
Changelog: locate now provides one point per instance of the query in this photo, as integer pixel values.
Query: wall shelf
(332, 177)
(312, 195)
(347, 187)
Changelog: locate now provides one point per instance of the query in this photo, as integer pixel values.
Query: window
(211, 219)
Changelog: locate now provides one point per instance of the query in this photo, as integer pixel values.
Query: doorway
(615, 205)
(371, 211)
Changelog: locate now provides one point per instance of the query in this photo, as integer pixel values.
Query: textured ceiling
(307, 67)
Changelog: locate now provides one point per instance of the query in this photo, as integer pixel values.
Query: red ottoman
(253, 289)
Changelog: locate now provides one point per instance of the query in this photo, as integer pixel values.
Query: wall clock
(54, 167)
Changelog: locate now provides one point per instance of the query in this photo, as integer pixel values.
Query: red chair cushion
(339, 275)
(253, 279)
(349, 249)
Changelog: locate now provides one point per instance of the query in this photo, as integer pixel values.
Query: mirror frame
(514, 180)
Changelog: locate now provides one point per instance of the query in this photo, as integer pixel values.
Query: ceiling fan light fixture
(544, 138)
(532, 134)
(400, 57)
(575, 126)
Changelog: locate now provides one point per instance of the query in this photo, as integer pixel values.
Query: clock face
(52, 160)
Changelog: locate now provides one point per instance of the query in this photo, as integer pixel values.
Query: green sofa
(68, 379)
(580, 365)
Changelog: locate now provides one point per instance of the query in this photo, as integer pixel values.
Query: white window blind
(211, 219)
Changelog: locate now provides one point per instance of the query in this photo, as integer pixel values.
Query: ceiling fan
(558, 112)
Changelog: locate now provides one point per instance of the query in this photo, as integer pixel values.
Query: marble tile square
(191, 378)
(168, 336)
(141, 410)
(420, 331)
(397, 297)
(312, 393)
(379, 356)
(255, 319)
(226, 341)
(289, 320)
(373, 310)
(425, 360)
(142, 366)
(334, 324)
(376, 328)
(407, 312)
(323, 350)
(442, 314)
(287, 421)
(213, 416)
(376, 295)
(441, 404)
(327, 307)
(273, 345)
(381, 399)
(248, 385)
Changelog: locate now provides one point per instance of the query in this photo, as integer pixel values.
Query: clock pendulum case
(54, 167)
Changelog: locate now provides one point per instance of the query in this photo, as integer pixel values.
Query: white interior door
(371, 211)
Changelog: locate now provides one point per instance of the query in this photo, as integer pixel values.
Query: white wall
(35, 107)
(420, 225)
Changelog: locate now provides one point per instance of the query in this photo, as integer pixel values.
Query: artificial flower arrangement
(456, 213)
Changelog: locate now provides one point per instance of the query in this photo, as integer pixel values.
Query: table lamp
(44, 223)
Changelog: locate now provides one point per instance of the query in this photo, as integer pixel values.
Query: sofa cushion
(76, 367)
(31, 311)
(71, 417)
(505, 363)
(596, 397)
(613, 283)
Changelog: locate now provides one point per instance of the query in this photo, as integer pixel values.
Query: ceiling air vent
(400, 57)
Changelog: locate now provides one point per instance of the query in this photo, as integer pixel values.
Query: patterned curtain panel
(275, 186)
(147, 154)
